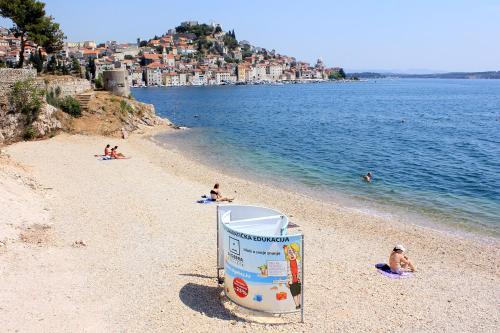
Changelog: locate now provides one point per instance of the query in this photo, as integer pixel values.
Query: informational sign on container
(263, 272)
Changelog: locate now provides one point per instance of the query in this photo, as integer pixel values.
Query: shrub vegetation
(30, 133)
(26, 98)
(71, 106)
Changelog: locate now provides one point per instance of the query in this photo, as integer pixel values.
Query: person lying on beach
(368, 177)
(217, 196)
(398, 262)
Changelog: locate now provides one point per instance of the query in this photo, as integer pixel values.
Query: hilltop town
(190, 54)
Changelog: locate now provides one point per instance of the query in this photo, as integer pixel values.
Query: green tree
(30, 23)
(230, 41)
(65, 70)
(159, 49)
(180, 29)
(90, 69)
(342, 73)
(52, 64)
(337, 74)
(99, 84)
(50, 35)
(37, 61)
(76, 67)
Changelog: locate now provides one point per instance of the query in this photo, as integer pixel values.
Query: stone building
(116, 82)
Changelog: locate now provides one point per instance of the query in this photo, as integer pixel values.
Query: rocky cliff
(108, 115)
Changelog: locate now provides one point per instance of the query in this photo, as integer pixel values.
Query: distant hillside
(453, 75)
(367, 75)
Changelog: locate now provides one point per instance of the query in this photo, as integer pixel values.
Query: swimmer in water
(368, 177)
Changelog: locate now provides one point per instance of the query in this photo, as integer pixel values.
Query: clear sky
(428, 35)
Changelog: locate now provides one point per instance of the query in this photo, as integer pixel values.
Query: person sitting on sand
(217, 196)
(398, 262)
(368, 177)
(117, 153)
(107, 151)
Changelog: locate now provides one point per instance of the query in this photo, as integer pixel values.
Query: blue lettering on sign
(252, 277)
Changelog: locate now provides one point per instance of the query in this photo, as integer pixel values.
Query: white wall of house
(153, 77)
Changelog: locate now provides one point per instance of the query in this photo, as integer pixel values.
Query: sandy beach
(100, 246)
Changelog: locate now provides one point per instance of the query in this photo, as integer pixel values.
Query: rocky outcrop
(142, 114)
(13, 125)
(48, 120)
(111, 115)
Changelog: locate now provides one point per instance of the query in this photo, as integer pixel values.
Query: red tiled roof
(154, 65)
(151, 56)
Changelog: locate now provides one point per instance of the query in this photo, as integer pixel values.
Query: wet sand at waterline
(121, 245)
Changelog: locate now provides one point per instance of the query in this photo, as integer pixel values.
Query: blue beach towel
(205, 200)
(385, 270)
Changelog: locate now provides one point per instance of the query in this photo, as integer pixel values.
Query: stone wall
(8, 77)
(68, 86)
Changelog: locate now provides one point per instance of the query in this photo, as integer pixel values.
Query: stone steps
(84, 100)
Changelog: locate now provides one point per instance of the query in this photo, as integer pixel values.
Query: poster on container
(263, 273)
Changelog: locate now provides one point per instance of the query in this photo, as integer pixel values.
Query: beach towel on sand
(385, 270)
(206, 200)
(109, 158)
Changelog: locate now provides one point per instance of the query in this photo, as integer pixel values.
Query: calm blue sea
(433, 146)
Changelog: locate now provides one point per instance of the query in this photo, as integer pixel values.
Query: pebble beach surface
(100, 246)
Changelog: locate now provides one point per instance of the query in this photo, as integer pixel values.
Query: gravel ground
(122, 246)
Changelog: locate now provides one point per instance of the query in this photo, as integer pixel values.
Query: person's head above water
(369, 174)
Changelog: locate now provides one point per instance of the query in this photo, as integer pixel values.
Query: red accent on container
(240, 287)
(281, 296)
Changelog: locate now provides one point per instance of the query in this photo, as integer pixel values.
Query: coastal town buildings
(191, 54)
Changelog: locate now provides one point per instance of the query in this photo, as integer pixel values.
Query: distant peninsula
(190, 54)
(451, 75)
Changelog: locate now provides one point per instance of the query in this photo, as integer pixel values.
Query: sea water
(432, 145)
